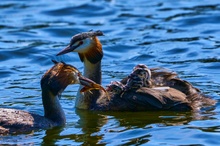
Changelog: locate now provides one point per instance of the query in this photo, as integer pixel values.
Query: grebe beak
(67, 49)
(90, 85)
(77, 38)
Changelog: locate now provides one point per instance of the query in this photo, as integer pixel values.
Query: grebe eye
(81, 42)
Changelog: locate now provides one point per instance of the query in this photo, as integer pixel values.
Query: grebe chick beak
(80, 42)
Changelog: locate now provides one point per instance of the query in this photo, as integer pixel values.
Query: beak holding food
(91, 85)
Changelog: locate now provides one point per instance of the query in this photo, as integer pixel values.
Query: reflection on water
(180, 35)
(124, 128)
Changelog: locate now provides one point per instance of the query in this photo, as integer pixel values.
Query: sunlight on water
(180, 35)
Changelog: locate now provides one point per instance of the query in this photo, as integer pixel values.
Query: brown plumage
(159, 90)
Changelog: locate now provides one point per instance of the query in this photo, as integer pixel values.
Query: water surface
(180, 35)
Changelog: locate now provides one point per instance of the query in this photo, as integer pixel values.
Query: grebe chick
(155, 89)
(53, 82)
(140, 77)
(115, 87)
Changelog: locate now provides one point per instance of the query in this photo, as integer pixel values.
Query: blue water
(182, 35)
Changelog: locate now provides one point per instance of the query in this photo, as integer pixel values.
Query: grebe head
(140, 77)
(140, 66)
(59, 77)
(143, 74)
(115, 87)
(87, 45)
(142, 71)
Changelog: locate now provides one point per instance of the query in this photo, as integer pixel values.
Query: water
(180, 35)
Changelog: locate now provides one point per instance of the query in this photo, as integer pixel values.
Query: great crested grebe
(144, 89)
(53, 82)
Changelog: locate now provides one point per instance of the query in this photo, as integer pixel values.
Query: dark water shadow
(92, 123)
(52, 136)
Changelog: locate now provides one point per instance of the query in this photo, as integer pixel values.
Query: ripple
(172, 40)
(82, 10)
(180, 35)
(199, 20)
(205, 60)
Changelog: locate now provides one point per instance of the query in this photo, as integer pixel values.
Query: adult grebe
(53, 82)
(144, 89)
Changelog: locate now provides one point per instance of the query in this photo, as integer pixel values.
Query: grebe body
(53, 83)
(144, 89)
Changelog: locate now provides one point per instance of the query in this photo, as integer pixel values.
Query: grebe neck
(88, 100)
(93, 71)
(52, 108)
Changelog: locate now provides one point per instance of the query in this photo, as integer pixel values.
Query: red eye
(81, 42)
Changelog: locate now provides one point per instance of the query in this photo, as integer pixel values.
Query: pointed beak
(67, 50)
(90, 85)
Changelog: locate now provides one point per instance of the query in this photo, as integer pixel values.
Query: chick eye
(143, 74)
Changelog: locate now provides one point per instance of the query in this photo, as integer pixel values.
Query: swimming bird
(53, 82)
(143, 90)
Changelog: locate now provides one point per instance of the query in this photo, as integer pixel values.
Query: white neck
(93, 72)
